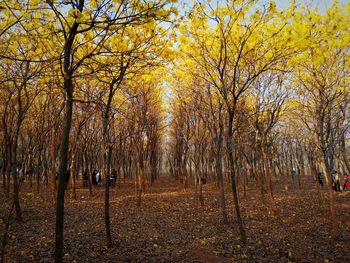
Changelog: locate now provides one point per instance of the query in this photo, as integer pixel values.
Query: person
(85, 179)
(346, 183)
(67, 177)
(294, 173)
(93, 177)
(29, 174)
(320, 179)
(333, 181)
(113, 177)
(98, 178)
(337, 181)
(202, 180)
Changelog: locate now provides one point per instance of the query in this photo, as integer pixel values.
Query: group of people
(98, 179)
(336, 181)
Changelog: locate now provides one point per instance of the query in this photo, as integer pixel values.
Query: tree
(323, 85)
(231, 49)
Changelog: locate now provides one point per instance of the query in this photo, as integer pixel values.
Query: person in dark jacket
(320, 179)
(93, 177)
(113, 177)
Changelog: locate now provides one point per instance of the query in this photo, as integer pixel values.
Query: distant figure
(113, 177)
(98, 178)
(93, 177)
(29, 174)
(85, 179)
(337, 181)
(294, 173)
(346, 183)
(67, 177)
(203, 180)
(320, 179)
(333, 180)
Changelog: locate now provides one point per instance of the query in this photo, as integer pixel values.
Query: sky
(322, 4)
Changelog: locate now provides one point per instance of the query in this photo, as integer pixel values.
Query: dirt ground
(170, 226)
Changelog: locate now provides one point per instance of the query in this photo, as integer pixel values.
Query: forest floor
(171, 226)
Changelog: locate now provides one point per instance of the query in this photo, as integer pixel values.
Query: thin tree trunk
(15, 193)
(53, 164)
(344, 153)
(4, 175)
(40, 164)
(74, 172)
(108, 156)
(8, 173)
(89, 171)
(229, 143)
(221, 187)
(201, 200)
(63, 157)
(268, 175)
(138, 184)
(64, 150)
(333, 218)
(7, 151)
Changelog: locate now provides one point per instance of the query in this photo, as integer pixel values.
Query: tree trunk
(138, 184)
(53, 163)
(74, 172)
(86, 165)
(218, 160)
(328, 176)
(15, 193)
(201, 200)
(8, 172)
(64, 150)
(63, 157)
(344, 153)
(40, 163)
(108, 156)
(268, 174)
(4, 175)
(229, 144)
(7, 151)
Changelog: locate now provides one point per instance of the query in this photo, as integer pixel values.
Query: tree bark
(15, 193)
(328, 176)
(108, 156)
(229, 143)
(218, 165)
(4, 174)
(268, 174)
(344, 153)
(74, 172)
(63, 157)
(53, 163)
